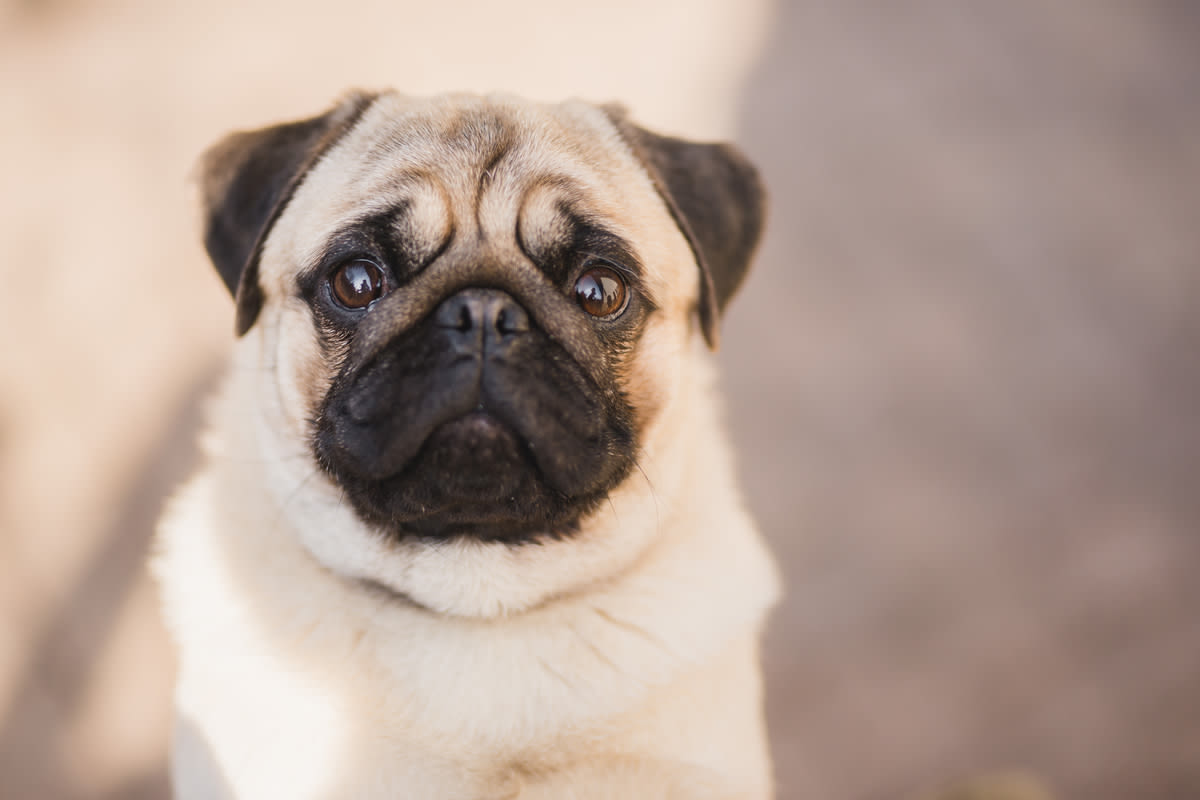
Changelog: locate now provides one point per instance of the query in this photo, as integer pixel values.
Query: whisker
(252, 367)
(284, 459)
(653, 494)
(283, 507)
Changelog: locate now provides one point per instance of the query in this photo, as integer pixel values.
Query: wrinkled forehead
(505, 171)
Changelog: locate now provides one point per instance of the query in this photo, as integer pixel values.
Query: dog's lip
(480, 435)
(480, 423)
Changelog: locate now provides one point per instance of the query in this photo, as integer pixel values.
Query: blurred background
(964, 379)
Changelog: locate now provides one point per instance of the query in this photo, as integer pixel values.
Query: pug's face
(477, 312)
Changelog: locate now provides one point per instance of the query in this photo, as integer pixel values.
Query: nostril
(458, 314)
(511, 318)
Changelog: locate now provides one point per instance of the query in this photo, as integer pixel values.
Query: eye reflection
(357, 284)
(601, 292)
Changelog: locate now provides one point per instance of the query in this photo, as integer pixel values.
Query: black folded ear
(247, 179)
(718, 202)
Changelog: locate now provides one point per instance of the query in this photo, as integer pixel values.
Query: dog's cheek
(303, 369)
(654, 371)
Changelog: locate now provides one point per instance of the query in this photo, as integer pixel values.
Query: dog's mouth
(443, 435)
(474, 476)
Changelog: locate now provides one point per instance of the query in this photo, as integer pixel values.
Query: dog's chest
(266, 729)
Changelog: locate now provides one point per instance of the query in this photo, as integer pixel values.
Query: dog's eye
(356, 284)
(601, 292)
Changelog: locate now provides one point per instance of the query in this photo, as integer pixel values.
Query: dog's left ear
(718, 201)
(247, 179)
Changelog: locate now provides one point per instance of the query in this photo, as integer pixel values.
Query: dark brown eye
(601, 292)
(357, 284)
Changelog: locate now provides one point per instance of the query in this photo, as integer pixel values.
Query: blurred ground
(966, 384)
(964, 378)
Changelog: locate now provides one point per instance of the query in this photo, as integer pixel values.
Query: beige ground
(965, 380)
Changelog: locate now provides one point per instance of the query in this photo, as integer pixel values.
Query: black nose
(480, 315)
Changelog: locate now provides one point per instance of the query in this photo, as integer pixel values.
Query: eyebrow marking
(429, 226)
(407, 235)
(551, 232)
(557, 233)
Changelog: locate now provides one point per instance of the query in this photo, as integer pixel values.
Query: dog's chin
(473, 477)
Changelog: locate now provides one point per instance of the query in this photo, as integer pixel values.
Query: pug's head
(477, 311)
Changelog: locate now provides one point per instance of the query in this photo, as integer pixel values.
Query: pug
(467, 524)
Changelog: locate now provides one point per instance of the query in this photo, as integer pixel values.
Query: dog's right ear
(247, 179)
